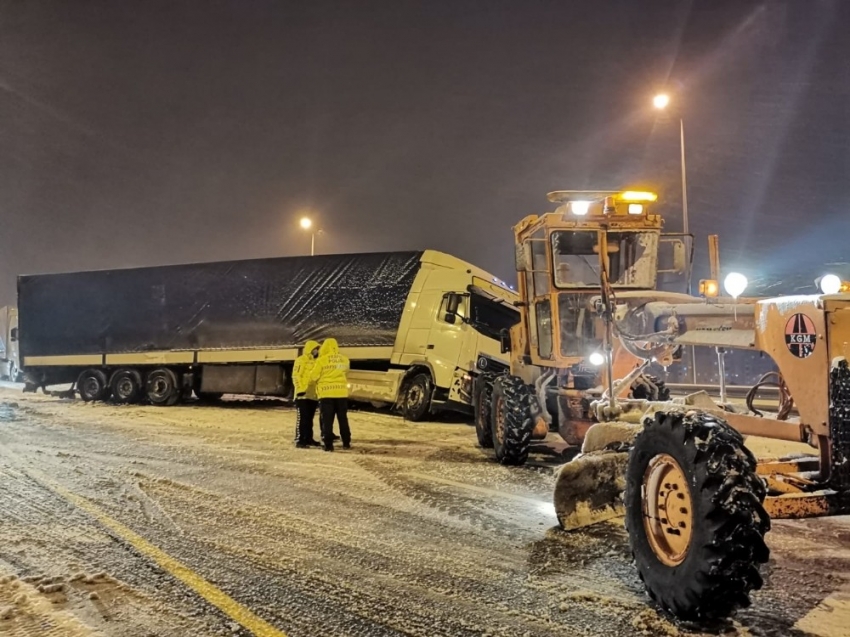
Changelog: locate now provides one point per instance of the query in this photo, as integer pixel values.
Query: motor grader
(696, 503)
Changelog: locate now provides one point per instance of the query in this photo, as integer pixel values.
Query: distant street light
(661, 100)
(307, 224)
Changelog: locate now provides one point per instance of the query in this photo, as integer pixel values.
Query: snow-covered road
(194, 520)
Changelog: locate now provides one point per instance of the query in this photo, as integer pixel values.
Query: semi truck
(9, 362)
(418, 328)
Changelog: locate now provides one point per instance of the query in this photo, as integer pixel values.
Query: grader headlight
(579, 208)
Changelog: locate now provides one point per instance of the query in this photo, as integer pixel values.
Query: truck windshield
(632, 257)
(489, 317)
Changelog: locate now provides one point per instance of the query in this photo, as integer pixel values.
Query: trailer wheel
(126, 385)
(416, 402)
(483, 411)
(694, 515)
(92, 385)
(512, 419)
(162, 387)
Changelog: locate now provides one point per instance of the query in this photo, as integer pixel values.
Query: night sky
(141, 133)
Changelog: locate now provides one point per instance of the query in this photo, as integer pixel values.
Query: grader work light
(709, 288)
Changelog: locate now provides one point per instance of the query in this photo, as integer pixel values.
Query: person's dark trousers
(328, 408)
(304, 419)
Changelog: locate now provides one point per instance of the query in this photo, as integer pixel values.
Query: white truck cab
(449, 332)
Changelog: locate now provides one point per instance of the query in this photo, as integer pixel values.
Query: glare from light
(306, 223)
(580, 208)
(637, 195)
(596, 359)
(735, 283)
(661, 101)
(830, 284)
(635, 209)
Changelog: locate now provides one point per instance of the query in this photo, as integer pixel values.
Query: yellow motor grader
(696, 502)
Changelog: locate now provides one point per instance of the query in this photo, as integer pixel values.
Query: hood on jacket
(309, 346)
(329, 346)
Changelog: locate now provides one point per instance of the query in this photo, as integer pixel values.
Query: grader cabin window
(632, 259)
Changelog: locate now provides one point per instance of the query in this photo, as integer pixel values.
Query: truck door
(445, 340)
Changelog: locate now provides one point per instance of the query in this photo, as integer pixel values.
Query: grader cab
(556, 348)
(696, 503)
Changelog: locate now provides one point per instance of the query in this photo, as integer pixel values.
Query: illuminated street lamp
(307, 224)
(661, 100)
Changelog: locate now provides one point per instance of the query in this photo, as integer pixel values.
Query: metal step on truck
(418, 328)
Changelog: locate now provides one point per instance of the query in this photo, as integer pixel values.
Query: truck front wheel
(92, 385)
(694, 515)
(162, 387)
(416, 401)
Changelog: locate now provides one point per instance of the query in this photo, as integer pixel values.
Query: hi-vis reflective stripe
(214, 595)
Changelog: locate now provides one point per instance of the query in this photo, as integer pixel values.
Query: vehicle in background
(418, 327)
(10, 369)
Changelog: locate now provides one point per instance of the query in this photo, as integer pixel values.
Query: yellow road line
(214, 595)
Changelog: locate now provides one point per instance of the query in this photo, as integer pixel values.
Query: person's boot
(313, 443)
(329, 447)
(346, 445)
(302, 445)
(335, 437)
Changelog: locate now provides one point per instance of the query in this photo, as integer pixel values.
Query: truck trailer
(418, 327)
(9, 361)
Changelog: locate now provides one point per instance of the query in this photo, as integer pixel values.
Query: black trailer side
(144, 319)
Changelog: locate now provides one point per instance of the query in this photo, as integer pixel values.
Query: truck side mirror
(450, 318)
(505, 341)
(452, 303)
(13, 334)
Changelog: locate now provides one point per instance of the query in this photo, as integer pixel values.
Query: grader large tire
(694, 515)
(483, 410)
(512, 420)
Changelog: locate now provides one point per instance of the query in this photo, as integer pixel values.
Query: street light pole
(660, 102)
(312, 244)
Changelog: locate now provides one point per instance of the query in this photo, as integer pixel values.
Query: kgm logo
(800, 337)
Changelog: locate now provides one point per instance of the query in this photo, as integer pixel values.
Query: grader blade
(589, 489)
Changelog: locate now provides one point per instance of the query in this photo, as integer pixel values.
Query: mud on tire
(512, 419)
(720, 567)
(483, 410)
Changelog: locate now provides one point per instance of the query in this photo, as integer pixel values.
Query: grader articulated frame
(696, 502)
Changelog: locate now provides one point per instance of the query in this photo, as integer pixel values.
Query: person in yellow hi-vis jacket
(306, 400)
(330, 376)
